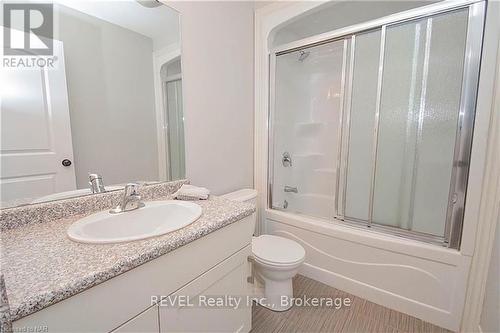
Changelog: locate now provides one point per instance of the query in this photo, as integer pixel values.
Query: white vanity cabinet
(214, 265)
(145, 322)
(199, 314)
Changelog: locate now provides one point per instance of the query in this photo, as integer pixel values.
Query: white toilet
(277, 260)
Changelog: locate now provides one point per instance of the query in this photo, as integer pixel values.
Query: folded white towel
(190, 192)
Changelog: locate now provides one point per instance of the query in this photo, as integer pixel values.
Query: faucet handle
(131, 199)
(131, 189)
(96, 184)
(94, 176)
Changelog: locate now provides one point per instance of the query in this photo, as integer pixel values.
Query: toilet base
(274, 295)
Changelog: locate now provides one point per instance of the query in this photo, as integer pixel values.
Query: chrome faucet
(96, 184)
(131, 200)
(291, 189)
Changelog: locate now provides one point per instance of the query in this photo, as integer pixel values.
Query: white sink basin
(154, 219)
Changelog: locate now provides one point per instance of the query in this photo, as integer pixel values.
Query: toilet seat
(277, 265)
(277, 251)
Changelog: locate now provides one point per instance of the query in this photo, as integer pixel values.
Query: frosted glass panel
(306, 128)
(440, 118)
(399, 114)
(362, 124)
(422, 77)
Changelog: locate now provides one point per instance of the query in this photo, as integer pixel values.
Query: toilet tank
(243, 195)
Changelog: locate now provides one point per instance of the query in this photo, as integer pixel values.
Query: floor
(361, 316)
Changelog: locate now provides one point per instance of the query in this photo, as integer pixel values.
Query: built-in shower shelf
(319, 196)
(309, 128)
(311, 123)
(308, 155)
(325, 170)
(312, 196)
(308, 161)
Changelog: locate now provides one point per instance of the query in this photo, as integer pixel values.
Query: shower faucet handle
(286, 160)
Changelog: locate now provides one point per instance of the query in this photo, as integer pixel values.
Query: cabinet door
(227, 279)
(146, 322)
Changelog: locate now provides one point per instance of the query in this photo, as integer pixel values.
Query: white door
(35, 133)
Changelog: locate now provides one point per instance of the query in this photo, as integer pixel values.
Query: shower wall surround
(377, 124)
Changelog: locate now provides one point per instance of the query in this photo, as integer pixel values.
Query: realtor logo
(28, 29)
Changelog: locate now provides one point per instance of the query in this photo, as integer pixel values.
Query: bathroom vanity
(55, 284)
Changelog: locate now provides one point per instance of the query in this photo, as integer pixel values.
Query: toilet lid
(276, 249)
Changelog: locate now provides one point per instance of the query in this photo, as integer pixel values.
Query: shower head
(303, 55)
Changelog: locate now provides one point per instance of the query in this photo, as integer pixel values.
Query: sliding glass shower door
(419, 111)
(375, 127)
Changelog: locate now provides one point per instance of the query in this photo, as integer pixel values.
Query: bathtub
(420, 279)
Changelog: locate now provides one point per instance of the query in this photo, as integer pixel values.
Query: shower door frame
(171, 79)
(465, 124)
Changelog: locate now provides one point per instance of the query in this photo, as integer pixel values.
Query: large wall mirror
(110, 112)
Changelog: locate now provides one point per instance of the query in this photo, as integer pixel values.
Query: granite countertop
(42, 266)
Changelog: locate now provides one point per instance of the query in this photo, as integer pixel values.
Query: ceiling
(161, 23)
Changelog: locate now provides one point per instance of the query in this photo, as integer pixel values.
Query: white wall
(490, 315)
(109, 73)
(217, 66)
